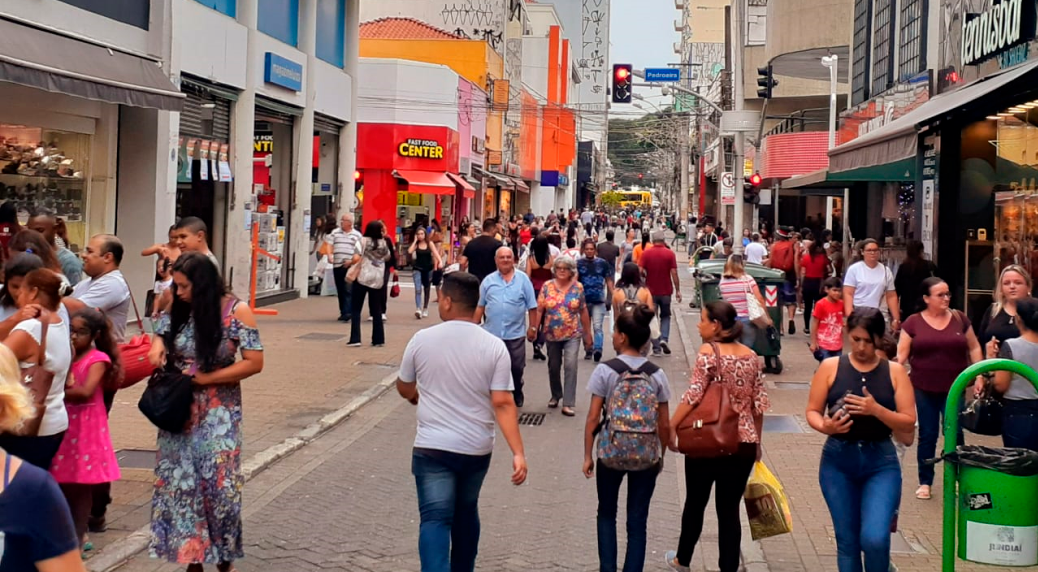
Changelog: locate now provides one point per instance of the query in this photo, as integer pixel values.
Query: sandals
(923, 492)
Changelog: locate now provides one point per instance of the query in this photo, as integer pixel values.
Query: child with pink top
(86, 457)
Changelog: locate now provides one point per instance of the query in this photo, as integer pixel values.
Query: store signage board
(282, 72)
(999, 28)
(420, 149)
(563, 180)
(662, 74)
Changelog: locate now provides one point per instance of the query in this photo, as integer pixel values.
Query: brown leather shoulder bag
(712, 428)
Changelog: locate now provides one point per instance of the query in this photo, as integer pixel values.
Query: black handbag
(983, 414)
(166, 402)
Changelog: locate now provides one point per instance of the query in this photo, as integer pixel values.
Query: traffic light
(751, 189)
(765, 82)
(622, 77)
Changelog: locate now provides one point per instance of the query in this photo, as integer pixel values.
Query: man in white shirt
(105, 288)
(868, 283)
(344, 240)
(459, 388)
(756, 252)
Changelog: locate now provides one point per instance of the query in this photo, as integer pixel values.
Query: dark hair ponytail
(635, 325)
(725, 314)
(1027, 310)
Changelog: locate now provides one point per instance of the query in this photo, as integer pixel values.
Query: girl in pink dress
(85, 457)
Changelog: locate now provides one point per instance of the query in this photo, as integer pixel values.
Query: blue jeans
(448, 501)
(929, 407)
(598, 314)
(422, 285)
(1018, 423)
(749, 333)
(822, 354)
(861, 483)
(640, 486)
(663, 310)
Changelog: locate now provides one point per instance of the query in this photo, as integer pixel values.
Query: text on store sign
(421, 148)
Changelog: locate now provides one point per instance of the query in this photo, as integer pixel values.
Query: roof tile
(403, 29)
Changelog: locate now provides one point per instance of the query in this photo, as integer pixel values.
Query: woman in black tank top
(859, 400)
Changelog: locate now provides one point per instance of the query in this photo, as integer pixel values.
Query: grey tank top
(1026, 353)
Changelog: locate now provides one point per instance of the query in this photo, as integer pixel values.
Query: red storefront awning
(468, 191)
(431, 182)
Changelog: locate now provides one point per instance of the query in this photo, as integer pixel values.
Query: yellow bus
(635, 199)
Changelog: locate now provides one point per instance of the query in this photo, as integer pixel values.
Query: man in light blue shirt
(506, 298)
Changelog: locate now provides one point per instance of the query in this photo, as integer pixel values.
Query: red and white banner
(771, 296)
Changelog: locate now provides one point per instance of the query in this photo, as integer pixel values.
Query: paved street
(347, 501)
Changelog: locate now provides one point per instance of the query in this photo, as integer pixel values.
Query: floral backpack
(629, 438)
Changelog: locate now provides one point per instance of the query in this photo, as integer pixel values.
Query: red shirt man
(661, 278)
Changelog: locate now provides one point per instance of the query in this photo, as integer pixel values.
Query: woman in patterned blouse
(196, 506)
(566, 321)
(722, 359)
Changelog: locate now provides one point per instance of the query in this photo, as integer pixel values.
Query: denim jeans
(861, 483)
(663, 310)
(448, 502)
(562, 360)
(598, 313)
(640, 486)
(422, 284)
(376, 305)
(929, 407)
(342, 292)
(749, 333)
(1018, 423)
(822, 354)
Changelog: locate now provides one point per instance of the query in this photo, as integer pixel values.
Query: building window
(132, 12)
(860, 54)
(883, 47)
(279, 19)
(331, 30)
(912, 52)
(227, 7)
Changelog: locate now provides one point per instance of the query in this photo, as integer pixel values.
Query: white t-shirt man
(455, 411)
(756, 252)
(57, 359)
(870, 284)
(110, 294)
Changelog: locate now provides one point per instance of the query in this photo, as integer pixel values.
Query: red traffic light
(755, 179)
(356, 175)
(640, 175)
(622, 73)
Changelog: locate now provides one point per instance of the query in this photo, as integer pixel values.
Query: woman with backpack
(629, 414)
(725, 361)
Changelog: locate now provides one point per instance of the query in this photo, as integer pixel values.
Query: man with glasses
(868, 283)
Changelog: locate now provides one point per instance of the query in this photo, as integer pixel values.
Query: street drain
(531, 418)
(782, 424)
(136, 458)
(321, 337)
(374, 364)
(792, 384)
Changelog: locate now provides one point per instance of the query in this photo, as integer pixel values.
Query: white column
(348, 134)
(299, 246)
(238, 253)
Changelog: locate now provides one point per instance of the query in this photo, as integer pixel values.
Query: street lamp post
(832, 62)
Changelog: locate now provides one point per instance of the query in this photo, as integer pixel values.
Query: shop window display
(1016, 195)
(41, 168)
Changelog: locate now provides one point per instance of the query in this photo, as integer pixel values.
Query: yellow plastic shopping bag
(766, 504)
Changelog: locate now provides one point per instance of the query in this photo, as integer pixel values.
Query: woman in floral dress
(196, 507)
(566, 321)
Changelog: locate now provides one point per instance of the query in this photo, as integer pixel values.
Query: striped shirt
(735, 290)
(344, 244)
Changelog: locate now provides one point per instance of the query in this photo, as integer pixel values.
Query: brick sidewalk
(308, 372)
(792, 451)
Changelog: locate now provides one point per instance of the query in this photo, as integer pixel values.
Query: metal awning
(44, 60)
(897, 171)
(468, 191)
(500, 181)
(898, 140)
(431, 182)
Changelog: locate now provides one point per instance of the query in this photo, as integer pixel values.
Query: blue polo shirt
(507, 304)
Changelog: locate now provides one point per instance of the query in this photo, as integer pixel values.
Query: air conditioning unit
(679, 25)
(677, 48)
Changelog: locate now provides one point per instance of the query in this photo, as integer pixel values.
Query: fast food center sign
(421, 149)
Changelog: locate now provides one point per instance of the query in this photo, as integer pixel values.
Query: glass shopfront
(46, 168)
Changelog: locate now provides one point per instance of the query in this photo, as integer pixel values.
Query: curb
(752, 555)
(121, 551)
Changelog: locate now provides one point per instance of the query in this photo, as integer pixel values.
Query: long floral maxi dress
(196, 506)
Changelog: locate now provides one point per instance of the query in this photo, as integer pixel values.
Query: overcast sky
(642, 34)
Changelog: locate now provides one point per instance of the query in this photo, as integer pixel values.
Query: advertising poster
(225, 163)
(203, 156)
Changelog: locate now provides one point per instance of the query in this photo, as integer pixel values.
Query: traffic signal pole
(738, 83)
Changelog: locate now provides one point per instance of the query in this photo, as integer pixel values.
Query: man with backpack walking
(785, 256)
(630, 416)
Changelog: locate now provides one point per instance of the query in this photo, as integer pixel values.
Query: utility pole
(738, 54)
(684, 165)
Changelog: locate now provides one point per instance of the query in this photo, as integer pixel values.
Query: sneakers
(353, 345)
(538, 354)
(425, 313)
(665, 347)
(384, 318)
(587, 356)
(792, 327)
(657, 353)
(418, 314)
(672, 560)
(598, 356)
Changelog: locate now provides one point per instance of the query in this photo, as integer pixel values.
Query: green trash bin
(998, 515)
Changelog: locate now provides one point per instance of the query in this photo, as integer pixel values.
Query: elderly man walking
(344, 241)
(506, 299)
